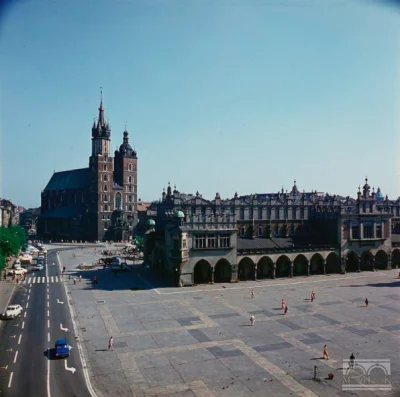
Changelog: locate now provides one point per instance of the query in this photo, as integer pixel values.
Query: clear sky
(218, 96)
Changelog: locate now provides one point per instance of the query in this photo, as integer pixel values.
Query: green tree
(11, 241)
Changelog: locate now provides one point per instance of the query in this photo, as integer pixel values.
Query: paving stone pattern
(186, 342)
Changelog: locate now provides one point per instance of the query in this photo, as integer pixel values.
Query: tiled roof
(69, 180)
(143, 206)
(249, 243)
(64, 212)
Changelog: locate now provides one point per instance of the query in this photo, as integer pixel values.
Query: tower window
(130, 199)
(105, 188)
(130, 167)
(105, 167)
(130, 208)
(130, 189)
(118, 201)
(105, 178)
(129, 179)
(105, 199)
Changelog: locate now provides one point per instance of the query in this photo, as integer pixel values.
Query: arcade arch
(265, 267)
(202, 273)
(222, 271)
(283, 266)
(246, 269)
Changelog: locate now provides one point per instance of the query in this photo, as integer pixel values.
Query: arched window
(130, 199)
(130, 167)
(130, 208)
(105, 198)
(105, 167)
(105, 178)
(105, 188)
(130, 189)
(129, 179)
(118, 201)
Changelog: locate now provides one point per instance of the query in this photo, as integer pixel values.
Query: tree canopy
(11, 240)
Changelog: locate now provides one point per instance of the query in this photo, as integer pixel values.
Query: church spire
(101, 121)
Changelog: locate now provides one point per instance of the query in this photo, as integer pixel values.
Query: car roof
(12, 306)
(61, 342)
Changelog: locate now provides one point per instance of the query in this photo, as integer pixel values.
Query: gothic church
(96, 203)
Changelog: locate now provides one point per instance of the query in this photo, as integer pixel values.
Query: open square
(199, 342)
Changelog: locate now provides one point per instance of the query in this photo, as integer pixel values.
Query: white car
(38, 267)
(12, 311)
(18, 272)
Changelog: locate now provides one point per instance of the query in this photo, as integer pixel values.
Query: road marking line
(11, 376)
(48, 323)
(23, 324)
(24, 314)
(29, 290)
(48, 296)
(43, 280)
(19, 339)
(56, 279)
(48, 337)
(28, 297)
(52, 280)
(15, 357)
(48, 313)
(33, 280)
(27, 304)
(47, 279)
(48, 368)
(48, 304)
(29, 280)
(30, 285)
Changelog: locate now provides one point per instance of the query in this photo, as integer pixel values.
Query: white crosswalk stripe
(42, 280)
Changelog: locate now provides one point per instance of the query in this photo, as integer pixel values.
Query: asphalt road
(26, 367)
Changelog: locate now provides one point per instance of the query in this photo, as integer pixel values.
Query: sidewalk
(6, 288)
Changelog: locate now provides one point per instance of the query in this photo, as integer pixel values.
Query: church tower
(101, 176)
(125, 175)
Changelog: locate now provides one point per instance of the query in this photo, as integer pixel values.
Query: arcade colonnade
(254, 267)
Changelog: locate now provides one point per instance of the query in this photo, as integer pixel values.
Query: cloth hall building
(94, 203)
(192, 240)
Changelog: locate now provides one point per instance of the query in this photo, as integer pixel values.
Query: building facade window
(355, 232)
(200, 241)
(224, 241)
(364, 209)
(269, 213)
(130, 208)
(371, 207)
(105, 188)
(251, 214)
(129, 179)
(260, 213)
(368, 231)
(378, 231)
(260, 231)
(302, 213)
(130, 199)
(294, 212)
(277, 213)
(105, 178)
(130, 167)
(105, 198)
(286, 212)
(118, 201)
(211, 241)
(232, 210)
(241, 213)
(203, 210)
(105, 167)
(105, 208)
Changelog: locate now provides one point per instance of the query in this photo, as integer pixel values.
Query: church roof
(69, 180)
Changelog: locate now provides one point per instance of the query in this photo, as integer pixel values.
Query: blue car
(62, 348)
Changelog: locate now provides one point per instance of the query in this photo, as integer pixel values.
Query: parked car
(12, 311)
(17, 272)
(62, 348)
(38, 267)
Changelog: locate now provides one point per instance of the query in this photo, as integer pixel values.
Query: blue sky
(218, 96)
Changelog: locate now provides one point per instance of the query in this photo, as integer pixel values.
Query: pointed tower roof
(101, 121)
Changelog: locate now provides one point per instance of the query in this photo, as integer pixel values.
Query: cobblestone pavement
(198, 341)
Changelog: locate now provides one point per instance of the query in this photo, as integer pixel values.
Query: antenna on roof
(54, 171)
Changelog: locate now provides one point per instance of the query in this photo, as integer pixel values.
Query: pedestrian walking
(74, 280)
(80, 278)
(252, 294)
(325, 353)
(352, 360)
(110, 343)
(312, 295)
(252, 319)
(366, 302)
(283, 305)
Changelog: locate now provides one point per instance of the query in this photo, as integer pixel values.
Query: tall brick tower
(101, 193)
(125, 175)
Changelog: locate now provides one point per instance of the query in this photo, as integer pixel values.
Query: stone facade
(273, 235)
(94, 203)
(9, 213)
